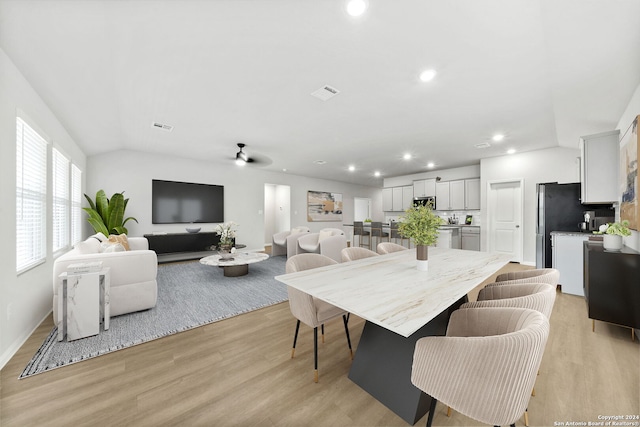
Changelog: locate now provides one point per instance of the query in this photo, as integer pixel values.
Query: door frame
(520, 181)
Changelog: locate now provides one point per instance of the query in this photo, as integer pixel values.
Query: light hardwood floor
(238, 372)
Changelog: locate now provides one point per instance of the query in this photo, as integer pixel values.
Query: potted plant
(421, 223)
(227, 233)
(613, 234)
(106, 215)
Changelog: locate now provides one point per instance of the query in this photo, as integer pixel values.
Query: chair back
(376, 229)
(393, 229)
(535, 296)
(550, 276)
(358, 228)
(333, 231)
(388, 247)
(303, 262)
(354, 253)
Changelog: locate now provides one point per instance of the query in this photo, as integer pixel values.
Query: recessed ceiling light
(356, 7)
(351, 168)
(284, 169)
(427, 75)
(430, 164)
(511, 151)
(498, 137)
(376, 173)
(407, 156)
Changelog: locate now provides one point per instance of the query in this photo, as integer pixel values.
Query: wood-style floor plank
(238, 372)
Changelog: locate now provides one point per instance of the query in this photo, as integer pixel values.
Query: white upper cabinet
(599, 167)
(442, 196)
(472, 194)
(424, 188)
(456, 195)
(407, 197)
(397, 199)
(387, 199)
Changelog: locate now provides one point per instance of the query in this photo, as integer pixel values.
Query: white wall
(632, 110)
(550, 165)
(244, 190)
(25, 300)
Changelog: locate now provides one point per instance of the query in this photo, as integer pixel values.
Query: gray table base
(235, 270)
(382, 366)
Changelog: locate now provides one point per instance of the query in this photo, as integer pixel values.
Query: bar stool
(376, 231)
(358, 230)
(395, 234)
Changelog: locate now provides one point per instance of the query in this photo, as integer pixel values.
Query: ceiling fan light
(241, 158)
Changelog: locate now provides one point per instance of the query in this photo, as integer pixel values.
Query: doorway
(361, 208)
(504, 217)
(277, 210)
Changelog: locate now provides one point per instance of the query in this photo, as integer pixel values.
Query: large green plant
(106, 215)
(420, 223)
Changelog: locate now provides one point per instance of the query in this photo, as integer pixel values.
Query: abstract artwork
(629, 147)
(324, 206)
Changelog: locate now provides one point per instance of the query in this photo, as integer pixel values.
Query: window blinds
(61, 201)
(76, 204)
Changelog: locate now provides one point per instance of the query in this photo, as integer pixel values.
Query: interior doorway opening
(277, 210)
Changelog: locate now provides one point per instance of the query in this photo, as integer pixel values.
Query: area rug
(189, 295)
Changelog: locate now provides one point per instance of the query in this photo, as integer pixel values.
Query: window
(61, 201)
(76, 204)
(31, 196)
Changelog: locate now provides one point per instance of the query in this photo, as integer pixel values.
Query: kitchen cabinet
(470, 238)
(566, 257)
(450, 195)
(424, 188)
(472, 194)
(611, 285)
(599, 167)
(397, 199)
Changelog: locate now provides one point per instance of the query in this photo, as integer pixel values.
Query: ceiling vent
(483, 145)
(167, 128)
(326, 92)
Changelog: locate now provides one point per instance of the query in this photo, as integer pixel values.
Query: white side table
(83, 303)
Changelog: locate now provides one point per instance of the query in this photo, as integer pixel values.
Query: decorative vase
(225, 252)
(422, 254)
(612, 242)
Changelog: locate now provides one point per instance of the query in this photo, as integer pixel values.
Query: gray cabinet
(599, 167)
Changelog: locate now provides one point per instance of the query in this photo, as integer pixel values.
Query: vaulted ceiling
(540, 72)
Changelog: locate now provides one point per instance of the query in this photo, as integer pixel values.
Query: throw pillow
(100, 237)
(122, 239)
(108, 247)
(89, 246)
(324, 234)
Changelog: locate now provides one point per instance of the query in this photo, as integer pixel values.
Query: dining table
(400, 304)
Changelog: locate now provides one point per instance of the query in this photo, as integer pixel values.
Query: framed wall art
(324, 206)
(629, 147)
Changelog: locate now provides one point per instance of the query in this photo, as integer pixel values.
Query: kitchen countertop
(571, 233)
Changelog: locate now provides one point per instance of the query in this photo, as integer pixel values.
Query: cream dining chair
(485, 366)
(550, 276)
(352, 254)
(309, 310)
(388, 247)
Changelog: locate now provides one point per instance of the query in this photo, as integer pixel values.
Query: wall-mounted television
(185, 202)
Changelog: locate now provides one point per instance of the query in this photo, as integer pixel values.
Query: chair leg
(526, 417)
(315, 354)
(295, 339)
(432, 410)
(346, 329)
(448, 411)
(322, 328)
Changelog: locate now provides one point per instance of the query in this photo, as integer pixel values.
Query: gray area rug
(189, 295)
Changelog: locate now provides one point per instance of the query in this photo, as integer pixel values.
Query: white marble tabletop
(239, 258)
(389, 291)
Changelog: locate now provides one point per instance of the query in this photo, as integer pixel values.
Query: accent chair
(328, 242)
(285, 242)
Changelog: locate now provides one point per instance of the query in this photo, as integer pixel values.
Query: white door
(504, 212)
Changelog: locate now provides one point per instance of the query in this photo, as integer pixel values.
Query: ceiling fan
(241, 157)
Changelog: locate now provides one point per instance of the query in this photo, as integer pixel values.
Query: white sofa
(328, 242)
(285, 242)
(133, 274)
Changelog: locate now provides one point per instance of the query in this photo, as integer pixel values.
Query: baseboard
(15, 346)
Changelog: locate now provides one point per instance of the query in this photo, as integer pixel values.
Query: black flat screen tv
(184, 202)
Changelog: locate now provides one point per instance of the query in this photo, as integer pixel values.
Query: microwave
(425, 201)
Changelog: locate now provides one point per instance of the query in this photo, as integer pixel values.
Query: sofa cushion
(122, 239)
(324, 234)
(109, 247)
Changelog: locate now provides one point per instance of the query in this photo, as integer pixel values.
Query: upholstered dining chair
(328, 242)
(358, 230)
(388, 247)
(285, 242)
(377, 232)
(485, 366)
(550, 276)
(311, 311)
(536, 296)
(352, 254)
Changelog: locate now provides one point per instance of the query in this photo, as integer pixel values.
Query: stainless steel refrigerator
(559, 209)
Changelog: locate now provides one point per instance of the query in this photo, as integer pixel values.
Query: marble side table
(83, 303)
(236, 266)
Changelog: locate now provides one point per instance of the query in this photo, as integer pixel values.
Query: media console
(183, 246)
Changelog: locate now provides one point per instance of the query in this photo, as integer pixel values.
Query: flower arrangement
(420, 223)
(616, 228)
(227, 233)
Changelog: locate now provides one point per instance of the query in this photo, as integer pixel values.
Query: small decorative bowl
(193, 230)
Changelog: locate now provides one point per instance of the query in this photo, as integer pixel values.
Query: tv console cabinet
(183, 246)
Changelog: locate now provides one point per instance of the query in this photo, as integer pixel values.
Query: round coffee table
(238, 265)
